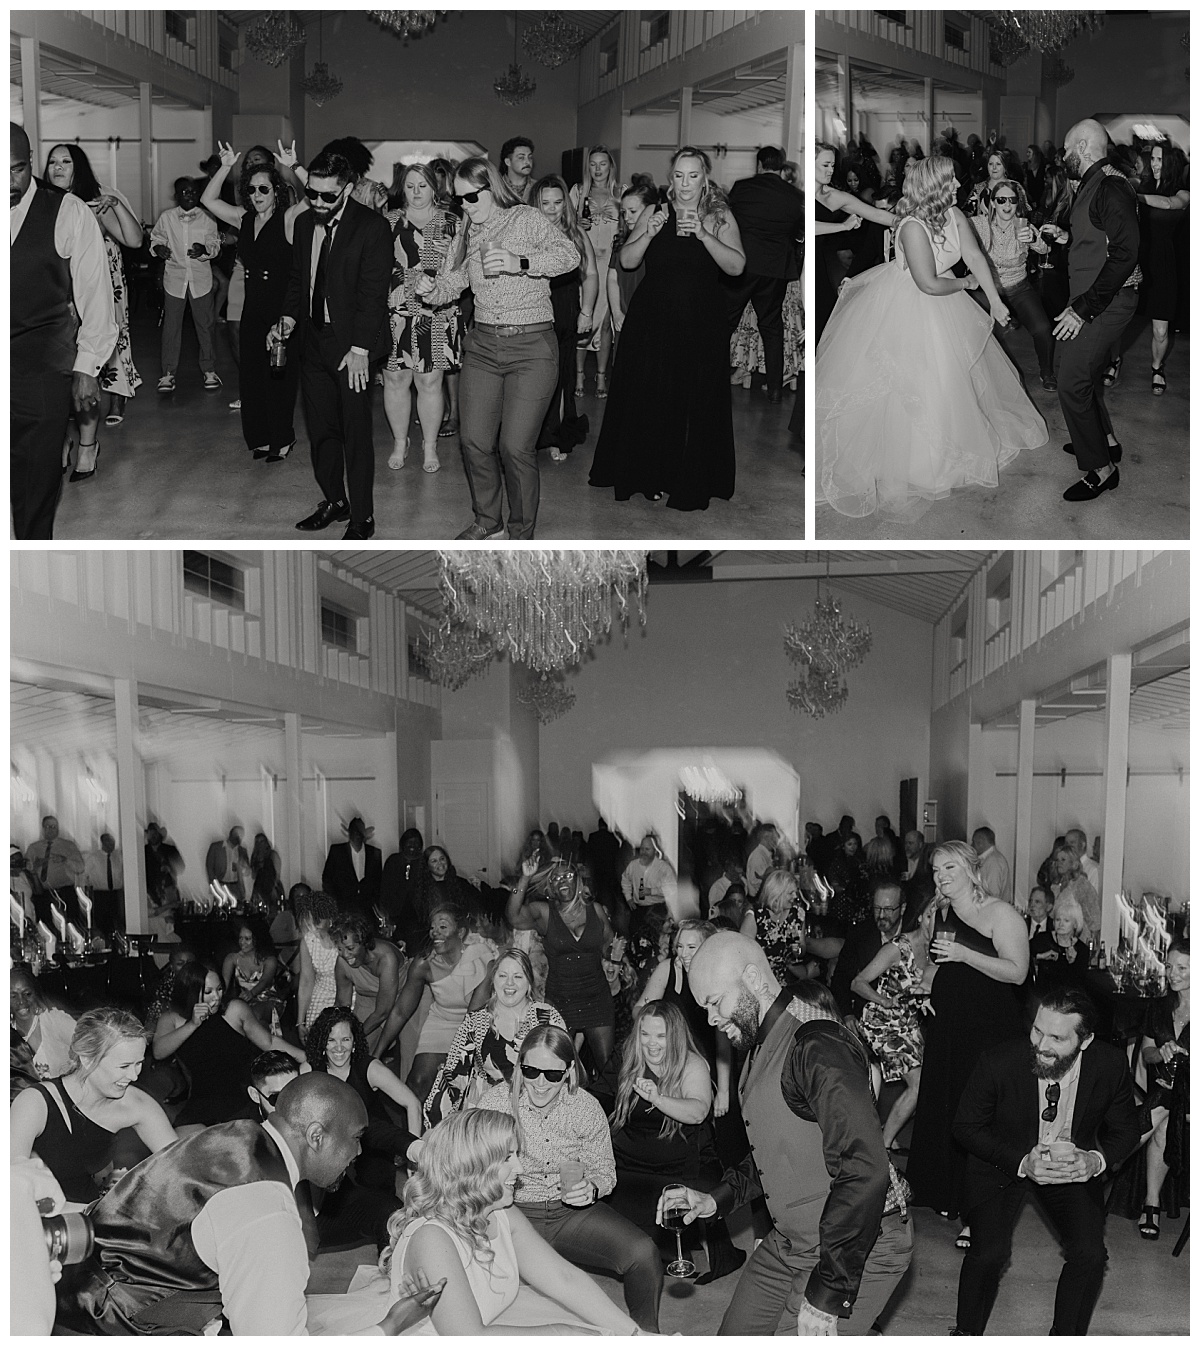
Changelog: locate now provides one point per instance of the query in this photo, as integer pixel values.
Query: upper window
(656, 28)
(215, 579)
(608, 51)
(956, 37)
(338, 627)
(177, 25)
(899, 16)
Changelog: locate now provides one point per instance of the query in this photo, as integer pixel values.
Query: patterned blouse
(418, 250)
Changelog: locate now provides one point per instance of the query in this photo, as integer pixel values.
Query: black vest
(144, 1255)
(42, 325)
(1089, 245)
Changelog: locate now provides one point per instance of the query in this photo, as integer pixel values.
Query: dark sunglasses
(1053, 1091)
(470, 197)
(552, 1076)
(1000, 200)
(329, 197)
(261, 191)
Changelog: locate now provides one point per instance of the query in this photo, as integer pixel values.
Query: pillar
(973, 817)
(31, 98)
(293, 784)
(146, 132)
(685, 115)
(131, 801)
(930, 130)
(1116, 776)
(793, 103)
(1022, 860)
(845, 95)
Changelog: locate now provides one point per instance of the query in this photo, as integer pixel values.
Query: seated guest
(348, 1215)
(662, 1128)
(1046, 875)
(731, 874)
(214, 1036)
(1037, 919)
(731, 910)
(567, 1165)
(353, 870)
(1070, 882)
(337, 1046)
(1060, 956)
(864, 942)
(218, 1230)
(160, 992)
(1051, 1143)
(251, 967)
(916, 857)
(777, 923)
(46, 1031)
(72, 1123)
(369, 972)
(460, 1229)
(892, 986)
(485, 1048)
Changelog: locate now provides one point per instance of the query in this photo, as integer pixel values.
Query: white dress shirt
(649, 885)
(95, 870)
(318, 239)
(78, 239)
(995, 874)
(1091, 871)
(1060, 1127)
(179, 229)
(358, 858)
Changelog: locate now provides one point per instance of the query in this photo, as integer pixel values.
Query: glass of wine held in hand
(674, 1208)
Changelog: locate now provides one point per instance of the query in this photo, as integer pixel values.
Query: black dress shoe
(1114, 451)
(1090, 486)
(360, 532)
(327, 512)
(774, 396)
(278, 455)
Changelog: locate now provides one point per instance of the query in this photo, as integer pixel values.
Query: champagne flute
(675, 1207)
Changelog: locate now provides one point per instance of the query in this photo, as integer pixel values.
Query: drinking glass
(1049, 233)
(675, 1206)
(570, 1174)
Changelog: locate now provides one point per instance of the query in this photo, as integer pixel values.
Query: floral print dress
(119, 375)
(894, 1035)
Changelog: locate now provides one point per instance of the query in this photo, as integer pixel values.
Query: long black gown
(564, 427)
(668, 426)
(826, 294)
(268, 400)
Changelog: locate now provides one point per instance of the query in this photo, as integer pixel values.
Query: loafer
(327, 512)
(1114, 452)
(359, 532)
(478, 533)
(1090, 486)
(278, 455)
(1050, 383)
(167, 383)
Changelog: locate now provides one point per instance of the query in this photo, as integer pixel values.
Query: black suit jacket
(997, 1120)
(770, 217)
(339, 880)
(357, 283)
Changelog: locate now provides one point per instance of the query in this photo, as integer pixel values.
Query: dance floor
(1151, 501)
(177, 468)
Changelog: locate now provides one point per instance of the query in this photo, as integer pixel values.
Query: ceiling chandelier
(513, 86)
(549, 696)
(543, 608)
(453, 655)
(1058, 72)
(552, 40)
(1017, 31)
(824, 647)
(274, 37)
(406, 23)
(321, 86)
(708, 784)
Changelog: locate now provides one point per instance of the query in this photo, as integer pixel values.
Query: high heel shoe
(278, 455)
(602, 385)
(1148, 1224)
(398, 456)
(83, 476)
(431, 463)
(1113, 372)
(1158, 382)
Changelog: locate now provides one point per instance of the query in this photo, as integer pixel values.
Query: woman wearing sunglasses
(268, 396)
(506, 252)
(567, 1166)
(1007, 237)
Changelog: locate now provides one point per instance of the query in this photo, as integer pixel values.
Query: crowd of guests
(513, 1075)
(473, 290)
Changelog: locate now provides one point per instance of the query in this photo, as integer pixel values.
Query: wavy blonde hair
(713, 203)
(457, 1179)
(966, 856)
(930, 189)
(779, 890)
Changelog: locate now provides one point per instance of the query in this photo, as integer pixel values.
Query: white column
(685, 115)
(146, 131)
(31, 98)
(293, 767)
(793, 103)
(930, 130)
(974, 815)
(131, 798)
(1022, 861)
(1116, 769)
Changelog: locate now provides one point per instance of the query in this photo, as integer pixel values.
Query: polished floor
(177, 468)
(1151, 501)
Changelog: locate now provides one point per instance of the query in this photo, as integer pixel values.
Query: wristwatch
(524, 263)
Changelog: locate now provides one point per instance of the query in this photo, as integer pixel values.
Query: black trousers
(766, 294)
(108, 909)
(1076, 1210)
(339, 425)
(1081, 363)
(40, 406)
(1026, 303)
(353, 1214)
(268, 400)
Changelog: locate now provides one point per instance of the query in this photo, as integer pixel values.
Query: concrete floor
(177, 468)
(1151, 501)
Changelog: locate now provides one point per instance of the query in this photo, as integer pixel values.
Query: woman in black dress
(268, 396)
(573, 295)
(668, 429)
(836, 212)
(1163, 196)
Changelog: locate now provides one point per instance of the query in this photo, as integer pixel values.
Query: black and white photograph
(612, 942)
(1015, 364)
(472, 274)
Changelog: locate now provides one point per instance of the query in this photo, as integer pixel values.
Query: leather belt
(514, 329)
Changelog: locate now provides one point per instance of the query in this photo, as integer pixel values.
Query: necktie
(110, 882)
(318, 294)
(45, 869)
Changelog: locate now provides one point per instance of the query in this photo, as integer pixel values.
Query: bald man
(209, 1226)
(1104, 276)
(841, 1241)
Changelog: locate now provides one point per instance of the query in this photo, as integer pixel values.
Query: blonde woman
(915, 397)
(778, 924)
(597, 202)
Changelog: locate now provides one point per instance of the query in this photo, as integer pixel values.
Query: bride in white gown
(459, 1226)
(915, 396)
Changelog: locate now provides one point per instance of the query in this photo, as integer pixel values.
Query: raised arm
(172, 1030)
(656, 985)
(117, 220)
(241, 1018)
(635, 247)
(518, 914)
(211, 199)
(838, 200)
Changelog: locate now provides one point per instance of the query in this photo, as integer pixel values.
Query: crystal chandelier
(274, 37)
(453, 655)
(1058, 72)
(708, 784)
(406, 23)
(321, 86)
(543, 608)
(513, 86)
(549, 696)
(552, 40)
(824, 647)
(1018, 31)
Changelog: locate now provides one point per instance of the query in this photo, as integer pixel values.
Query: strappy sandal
(398, 456)
(963, 1242)
(1158, 381)
(1148, 1224)
(1113, 372)
(431, 463)
(602, 385)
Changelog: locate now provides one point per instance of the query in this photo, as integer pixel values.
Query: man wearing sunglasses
(337, 300)
(1043, 1118)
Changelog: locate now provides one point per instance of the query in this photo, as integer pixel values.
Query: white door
(461, 810)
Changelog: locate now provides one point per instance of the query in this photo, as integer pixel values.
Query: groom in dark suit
(770, 215)
(337, 300)
(1043, 1119)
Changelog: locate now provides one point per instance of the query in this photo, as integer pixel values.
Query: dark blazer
(359, 277)
(997, 1121)
(770, 217)
(1056, 971)
(339, 880)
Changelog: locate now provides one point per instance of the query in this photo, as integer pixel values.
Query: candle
(16, 912)
(48, 940)
(85, 906)
(75, 940)
(59, 918)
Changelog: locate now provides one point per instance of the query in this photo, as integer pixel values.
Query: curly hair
(360, 930)
(458, 1180)
(282, 197)
(930, 189)
(680, 1045)
(323, 1025)
(309, 908)
(713, 203)
(966, 856)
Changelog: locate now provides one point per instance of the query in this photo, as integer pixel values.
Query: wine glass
(675, 1207)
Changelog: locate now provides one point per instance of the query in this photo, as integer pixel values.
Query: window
(339, 628)
(417, 667)
(899, 16)
(956, 37)
(225, 53)
(656, 28)
(608, 52)
(214, 579)
(177, 25)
